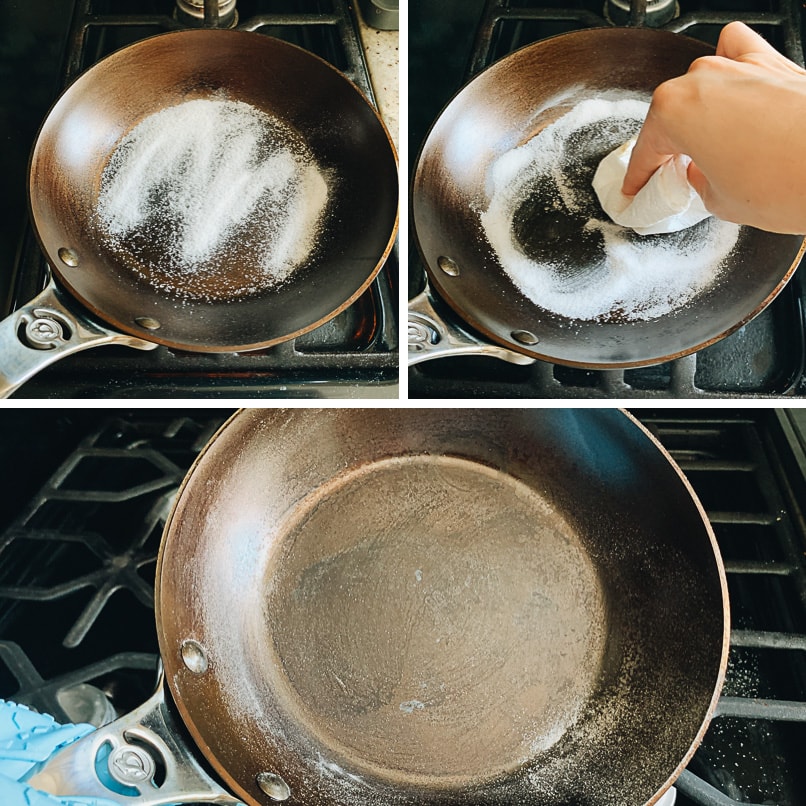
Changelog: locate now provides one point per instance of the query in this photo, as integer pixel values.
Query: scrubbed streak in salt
(622, 275)
(198, 180)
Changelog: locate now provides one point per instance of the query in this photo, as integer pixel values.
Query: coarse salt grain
(630, 276)
(209, 184)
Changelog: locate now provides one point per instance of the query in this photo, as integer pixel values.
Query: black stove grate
(325, 27)
(90, 479)
(76, 696)
(353, 355)
(506, 26)
(752, 752)
(764, 359)
(77, 561)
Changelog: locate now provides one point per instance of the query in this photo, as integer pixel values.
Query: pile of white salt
(194, 184)
(636, 278)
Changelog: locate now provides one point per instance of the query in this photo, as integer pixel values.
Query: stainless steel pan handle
(139, 759)
(430, 336)
(45, 330)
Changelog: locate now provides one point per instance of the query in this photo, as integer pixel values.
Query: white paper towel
(667, 203)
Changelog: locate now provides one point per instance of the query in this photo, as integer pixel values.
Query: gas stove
(80, 527)
(450, 44)
(44, 45)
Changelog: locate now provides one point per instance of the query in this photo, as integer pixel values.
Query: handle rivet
(273, 785)
(148, 322)
(68, 257)
(193, 656)
(524, 337)
(448, 265)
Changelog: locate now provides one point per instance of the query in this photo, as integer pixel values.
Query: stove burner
(69, 696)
(627, 12)
(215, 13)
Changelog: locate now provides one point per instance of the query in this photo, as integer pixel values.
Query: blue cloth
(27, 739)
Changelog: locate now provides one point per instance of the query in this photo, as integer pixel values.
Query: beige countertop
(382, 49)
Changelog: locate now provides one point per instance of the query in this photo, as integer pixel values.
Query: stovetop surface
(43, 45)
(765, 358)
(81, 520)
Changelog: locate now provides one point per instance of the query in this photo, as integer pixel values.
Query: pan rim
(664, 454)
(726, 619)
(62, 277)
(442, 288)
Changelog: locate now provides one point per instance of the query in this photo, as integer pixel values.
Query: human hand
(741, 116)
(27, 739)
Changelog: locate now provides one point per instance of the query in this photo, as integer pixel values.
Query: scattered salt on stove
(194, 184)
(621, 273)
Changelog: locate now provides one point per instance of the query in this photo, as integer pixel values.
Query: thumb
(700, 183)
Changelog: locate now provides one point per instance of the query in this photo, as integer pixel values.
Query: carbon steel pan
(197, 310)
(501, 109)
(443, 607)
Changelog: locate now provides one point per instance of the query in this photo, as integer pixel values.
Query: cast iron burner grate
(744, 469)
(77, 563)
(765, 358)
(353, 355)
(108, 477)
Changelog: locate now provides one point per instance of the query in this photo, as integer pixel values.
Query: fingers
(698, 181)
(740, 52)
(651, 149)
(644, 161)
(654, 146)
(737, 40)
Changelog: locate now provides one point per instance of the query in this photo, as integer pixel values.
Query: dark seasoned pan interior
(443, 607)
(474, 190)
(218, 283)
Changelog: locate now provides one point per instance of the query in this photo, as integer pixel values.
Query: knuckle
(733, 31)
(662, 94)
(754, 59)
(705, 64)
(665, 97)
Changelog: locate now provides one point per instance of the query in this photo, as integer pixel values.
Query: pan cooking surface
(434, 619)
(245, 260)
(212, 198)
(563, 252)
(402, 606)
(562, 307)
